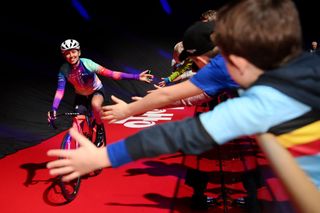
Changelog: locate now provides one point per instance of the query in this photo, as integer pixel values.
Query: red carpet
(145, 186)
(149, 185)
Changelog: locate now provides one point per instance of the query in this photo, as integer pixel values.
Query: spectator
(184, 67)
(211, 79)
(314, 50)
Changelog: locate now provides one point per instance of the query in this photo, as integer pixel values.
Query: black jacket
(299, 79)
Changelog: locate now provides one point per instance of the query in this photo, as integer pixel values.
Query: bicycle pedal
(241, 202)
(211, 201)
(202, 202)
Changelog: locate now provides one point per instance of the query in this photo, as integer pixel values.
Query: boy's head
(266, 33)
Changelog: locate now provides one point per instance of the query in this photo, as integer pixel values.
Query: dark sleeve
(187, 136)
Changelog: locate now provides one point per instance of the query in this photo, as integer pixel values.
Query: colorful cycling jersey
(84, 78)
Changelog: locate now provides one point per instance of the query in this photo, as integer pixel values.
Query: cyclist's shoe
(100, 136)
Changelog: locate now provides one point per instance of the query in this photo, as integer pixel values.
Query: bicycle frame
(78, 120)
(85, 124)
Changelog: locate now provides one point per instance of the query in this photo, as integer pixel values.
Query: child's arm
(185, 66)
(150, 142)
(159, 98)
(306, 198)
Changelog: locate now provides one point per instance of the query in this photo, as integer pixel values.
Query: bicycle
(85, 124)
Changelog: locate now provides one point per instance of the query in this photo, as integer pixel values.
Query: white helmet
(69, 44)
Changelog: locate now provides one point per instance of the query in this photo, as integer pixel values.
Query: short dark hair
(266, 32)
(209, 15)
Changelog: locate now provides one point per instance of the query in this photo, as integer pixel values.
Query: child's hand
(115, 112)
(162, 83)
(77, 162)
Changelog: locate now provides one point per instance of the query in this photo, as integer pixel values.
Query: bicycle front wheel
(69, 189)
(100, 140)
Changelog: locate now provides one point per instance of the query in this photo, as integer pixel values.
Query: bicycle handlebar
(71, 114)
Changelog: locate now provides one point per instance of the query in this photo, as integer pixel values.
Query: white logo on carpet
(148, 119)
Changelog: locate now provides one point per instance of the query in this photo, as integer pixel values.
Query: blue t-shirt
(213, 77)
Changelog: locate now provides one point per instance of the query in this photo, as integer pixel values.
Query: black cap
(196, 39)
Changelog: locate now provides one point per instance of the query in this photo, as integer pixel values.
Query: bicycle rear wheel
(69, 189)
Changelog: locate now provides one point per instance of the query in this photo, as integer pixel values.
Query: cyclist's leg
(96, 104)
(98, 98)
(81, 103)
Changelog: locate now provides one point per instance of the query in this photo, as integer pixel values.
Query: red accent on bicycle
(86, 125)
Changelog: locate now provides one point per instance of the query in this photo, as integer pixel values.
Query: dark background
(128, 36)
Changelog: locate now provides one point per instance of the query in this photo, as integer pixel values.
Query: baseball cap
(196, 39)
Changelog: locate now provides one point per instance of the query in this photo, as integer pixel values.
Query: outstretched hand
(115, 112)
(145, 76)
(77, 162)
(162, 83)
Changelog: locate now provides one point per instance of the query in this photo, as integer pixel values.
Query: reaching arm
(143, 76)
(184, 67)
(159, 98)
(77, 162)
(187, 65)
(186, 75)
(57, 97)
(189, 137)
(191, 101)
(59, 92)
(116, 75)
(304, 194)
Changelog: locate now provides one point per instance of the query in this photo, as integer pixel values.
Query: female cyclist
(82, 74)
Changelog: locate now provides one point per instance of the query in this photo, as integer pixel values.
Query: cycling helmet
(69, 44)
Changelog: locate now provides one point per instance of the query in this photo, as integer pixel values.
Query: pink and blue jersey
(84, 78)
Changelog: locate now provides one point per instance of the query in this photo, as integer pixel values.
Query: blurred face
(234, 74)
(72, 56)
(314, 45)
(200, 61)
(241, 71)
(205, 58)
